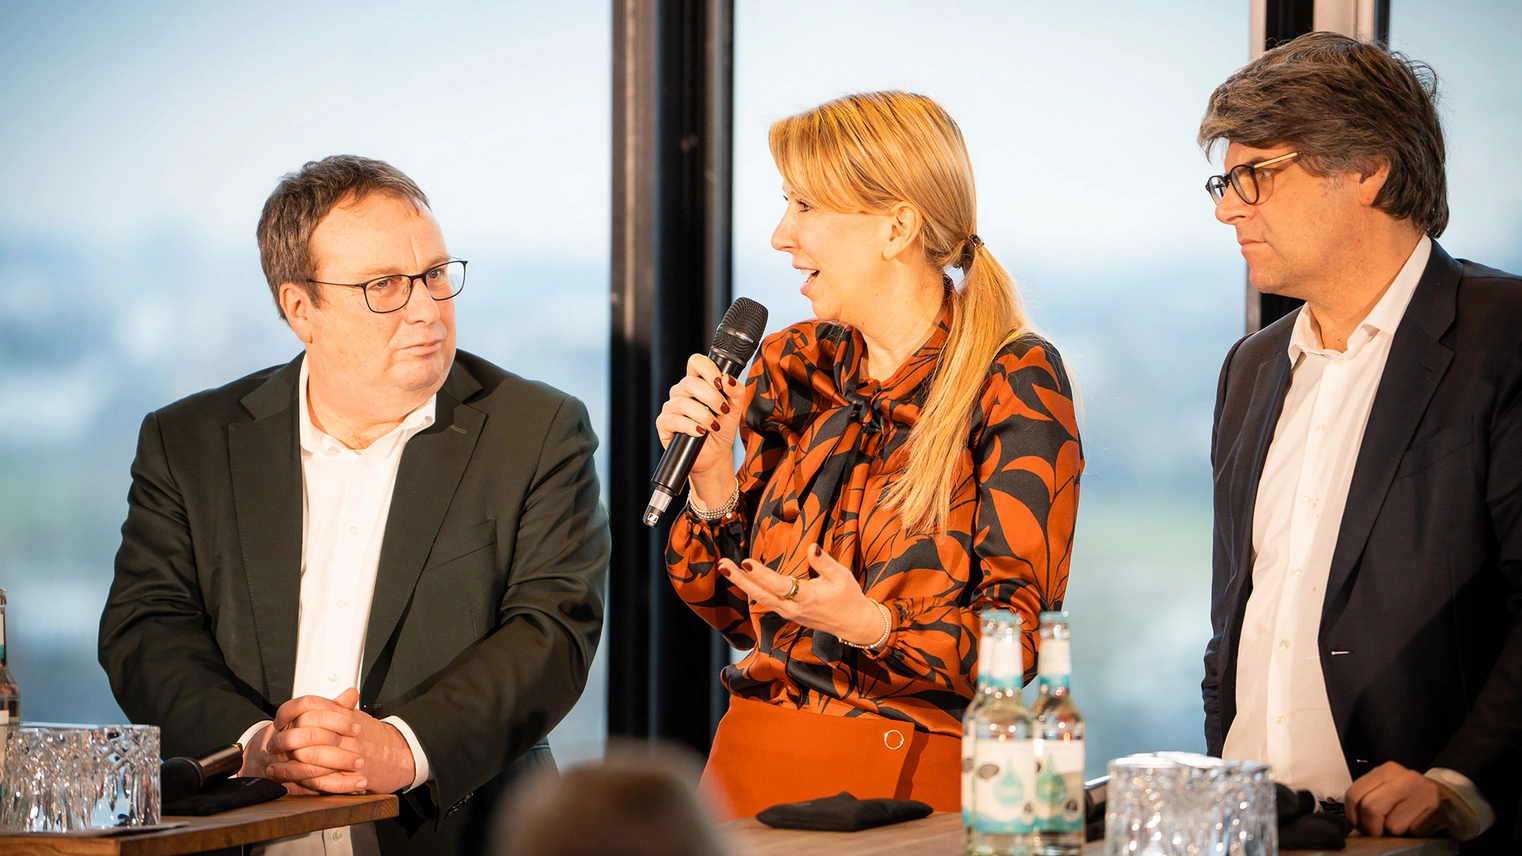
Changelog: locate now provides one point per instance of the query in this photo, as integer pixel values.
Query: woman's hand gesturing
(832, 602)
(705, 404)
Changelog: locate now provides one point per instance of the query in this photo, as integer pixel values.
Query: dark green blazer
(488, 596)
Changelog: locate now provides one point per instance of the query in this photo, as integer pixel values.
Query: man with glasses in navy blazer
(1368, 459)
(379, 567)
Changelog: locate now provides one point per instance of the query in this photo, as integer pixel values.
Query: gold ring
(792, 592)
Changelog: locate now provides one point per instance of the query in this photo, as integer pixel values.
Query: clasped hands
(832, 602)
(323, 746)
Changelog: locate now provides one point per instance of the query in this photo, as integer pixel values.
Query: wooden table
(251, 825)
(941, 835)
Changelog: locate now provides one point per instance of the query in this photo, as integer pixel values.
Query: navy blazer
(1420, 640)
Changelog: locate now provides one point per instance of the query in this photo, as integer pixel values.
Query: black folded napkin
(842, 813)
(1301, 827)
(226, 795)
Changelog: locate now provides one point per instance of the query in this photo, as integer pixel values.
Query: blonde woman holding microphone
(911, 459)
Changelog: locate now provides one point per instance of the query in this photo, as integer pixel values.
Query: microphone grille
(740, 332)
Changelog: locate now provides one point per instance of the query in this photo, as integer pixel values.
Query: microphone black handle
(682, 452)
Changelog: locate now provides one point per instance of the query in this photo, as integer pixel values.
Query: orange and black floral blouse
(822, 442)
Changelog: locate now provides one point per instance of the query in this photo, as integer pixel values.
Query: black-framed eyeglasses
(390, 293)
(1243, 178)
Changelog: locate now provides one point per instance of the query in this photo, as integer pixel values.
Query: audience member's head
(637, 802)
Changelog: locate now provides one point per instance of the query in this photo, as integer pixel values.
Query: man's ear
(298, 307)
(1370, 182)
(903, 229)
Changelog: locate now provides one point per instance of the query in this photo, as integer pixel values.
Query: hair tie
(969, 251)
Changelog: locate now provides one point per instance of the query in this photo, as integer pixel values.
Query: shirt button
(332, 676)
(1297, 572)
(342, 604)
(338, 835)
(1283, 643)
(353, 530)
(1278, 719)
(1340, 360)
(1304, 500)
(1321, 429)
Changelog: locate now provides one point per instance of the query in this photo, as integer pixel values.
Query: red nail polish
(702, 430)
(733, 382)
(718, 383)
(724, 408)
(716, 425)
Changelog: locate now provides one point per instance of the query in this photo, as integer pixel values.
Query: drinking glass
(66, 778)
(1242, 810)
(1140, 801)
(1183, 804)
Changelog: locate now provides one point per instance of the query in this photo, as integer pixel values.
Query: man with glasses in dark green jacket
(379, 567)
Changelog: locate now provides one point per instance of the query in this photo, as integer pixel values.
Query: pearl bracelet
(887, 630)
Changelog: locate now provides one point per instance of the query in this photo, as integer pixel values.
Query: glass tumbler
(1245, 820)
(66, 778)
(1141, 807)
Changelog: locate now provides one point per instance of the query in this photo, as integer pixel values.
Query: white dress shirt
(347, 498)
(1283, 715)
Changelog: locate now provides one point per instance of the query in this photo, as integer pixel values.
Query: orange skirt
(764, 755)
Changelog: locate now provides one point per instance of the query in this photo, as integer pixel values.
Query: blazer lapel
(267, 495)
(1417, 363)
(1265, 404)
(432, 465)
(1269, 390)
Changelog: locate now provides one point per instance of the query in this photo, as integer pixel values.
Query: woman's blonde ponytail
(867, 152)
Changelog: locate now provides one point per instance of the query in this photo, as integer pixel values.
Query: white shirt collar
(314, 439)
(1383, 318)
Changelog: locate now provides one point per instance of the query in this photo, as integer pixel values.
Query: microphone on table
(181, 777)
(734, 343)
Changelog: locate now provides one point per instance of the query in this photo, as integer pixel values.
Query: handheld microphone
(182, 777)
(734, 343)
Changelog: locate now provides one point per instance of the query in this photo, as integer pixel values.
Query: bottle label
(1004, 795)
(969, 744)
(1055, 658)
(985, 658)
(1006, 664)
(1059, 785)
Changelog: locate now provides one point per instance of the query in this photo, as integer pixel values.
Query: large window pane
(1081, 122)
(139, 143)
(1471, 45)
